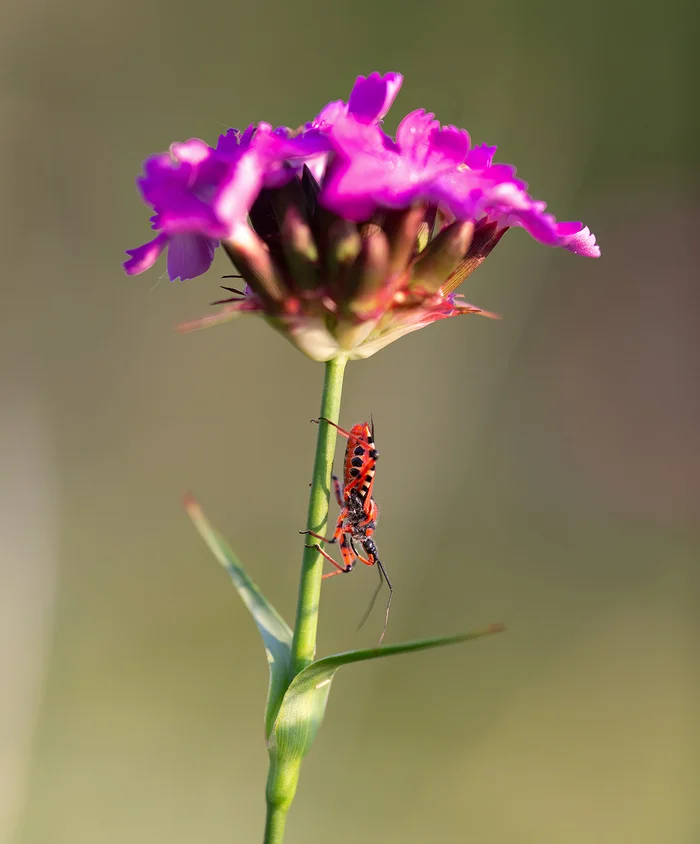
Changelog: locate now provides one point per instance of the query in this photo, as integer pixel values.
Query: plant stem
(282, 778)
(274, 824)
(279, 792)
(306, 625)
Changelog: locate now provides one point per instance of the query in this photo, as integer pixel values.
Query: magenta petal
(371, 97)
(189, 255)
(199, 195)
(310, 143)
(160, 174)
(503, 173)
(329, 116)
(229, 142)
(317, 166)
(450, 144)
(144, 257)
(415, 130)
(237, 192)
(188, 214)
(480, 157)
(581, 242)
(347, 189)
(193, 151)
(566, 229)
(539, 225)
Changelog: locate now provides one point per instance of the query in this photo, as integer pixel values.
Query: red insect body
(359, 511)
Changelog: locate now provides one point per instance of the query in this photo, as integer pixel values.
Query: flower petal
(186, 214)
(480, 157)
(581, 242)
(372, 96)
(144, 257)
(192, 152)
(189, 255)
(237, 191)
(414, 130)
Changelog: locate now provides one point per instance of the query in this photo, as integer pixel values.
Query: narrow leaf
(276, 635)
(304, 704)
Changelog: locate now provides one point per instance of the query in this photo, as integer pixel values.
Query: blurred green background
(543, 471)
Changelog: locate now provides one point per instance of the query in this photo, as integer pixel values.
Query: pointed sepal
(441, 257)
(251, 257)
(368, 280)
(296, 237)
(485, 238)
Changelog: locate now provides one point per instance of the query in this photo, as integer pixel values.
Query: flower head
(345, 237)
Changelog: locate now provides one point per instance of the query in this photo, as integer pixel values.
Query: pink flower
(344, 237)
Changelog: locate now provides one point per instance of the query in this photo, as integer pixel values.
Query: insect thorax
(356, 505)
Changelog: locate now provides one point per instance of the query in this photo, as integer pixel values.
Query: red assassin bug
(358, 514)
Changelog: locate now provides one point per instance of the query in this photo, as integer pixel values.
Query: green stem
(281, 787)
(282, 778)
(304, 643)
(274, 824)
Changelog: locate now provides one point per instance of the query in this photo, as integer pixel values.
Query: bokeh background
(543, 471)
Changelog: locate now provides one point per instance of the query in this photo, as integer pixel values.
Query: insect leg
(320, 536)
(344, 433)
(327, 556)
(338, 492)
(363, 560)
(341, 431)
(348, 557)
(347, 549)
(336, 534)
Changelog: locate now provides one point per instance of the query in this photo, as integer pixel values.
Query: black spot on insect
(373, 453)
(359, 450)
(356, 461)
(355, 472)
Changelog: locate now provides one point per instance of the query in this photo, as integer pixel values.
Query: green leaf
(277, 637)
(304, 703)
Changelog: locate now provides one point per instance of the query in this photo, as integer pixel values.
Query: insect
(358, 510)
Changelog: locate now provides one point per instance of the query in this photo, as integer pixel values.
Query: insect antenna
(382, 577)
(374, 598)
(388, 603)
